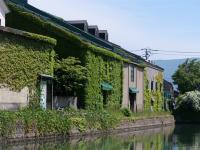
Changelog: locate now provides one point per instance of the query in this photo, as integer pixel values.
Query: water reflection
(167, 138)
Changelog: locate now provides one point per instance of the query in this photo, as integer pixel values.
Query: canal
(184, 137)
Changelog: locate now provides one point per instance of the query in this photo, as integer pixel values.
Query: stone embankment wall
(130, 126)
(126, 126)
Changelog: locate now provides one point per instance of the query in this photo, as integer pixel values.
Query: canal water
(184, 137)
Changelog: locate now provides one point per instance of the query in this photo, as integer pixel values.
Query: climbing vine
(102, 64)
(23, 60)
(156, 95)
(103, 69)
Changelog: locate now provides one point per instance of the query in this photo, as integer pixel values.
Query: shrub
(189, 101)
(7, 123)
(100, 119)
(80, 123)
(69, 76)
(126, 112)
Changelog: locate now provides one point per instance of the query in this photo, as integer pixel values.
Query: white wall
(137, 83)
(2, 16)
(11, 100)
(140, 87)
(3, 11)
(125, 101)
(151, 75)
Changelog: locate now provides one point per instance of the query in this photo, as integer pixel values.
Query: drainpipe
(136, 85)
(128, 84)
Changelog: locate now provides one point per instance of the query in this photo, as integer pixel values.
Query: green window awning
(106, 86)
(133, 90)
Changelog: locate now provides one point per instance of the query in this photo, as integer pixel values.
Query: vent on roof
(93, 30)
(81, 24)
(103, 34)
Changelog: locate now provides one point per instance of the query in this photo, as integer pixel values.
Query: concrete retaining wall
(130, 126)
(10, 100)
(125, 126)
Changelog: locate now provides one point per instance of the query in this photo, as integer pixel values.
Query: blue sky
(172, 25)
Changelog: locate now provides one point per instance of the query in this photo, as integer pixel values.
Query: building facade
(133, 95)
(153, 82)
(24, 56)
(168, 90)
(106, 61)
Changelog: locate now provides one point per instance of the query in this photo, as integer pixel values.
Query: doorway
(133, 105)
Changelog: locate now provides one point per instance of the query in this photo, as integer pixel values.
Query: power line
(182, 52)
(175, 54)
(173, 51)
(147, 52)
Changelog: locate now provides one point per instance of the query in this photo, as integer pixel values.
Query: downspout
(136, 85)
(128, 85)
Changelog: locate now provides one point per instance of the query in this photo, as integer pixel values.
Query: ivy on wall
(102, 64)
(156, 95)
(22, 60)
(68, 43)
(103, 69)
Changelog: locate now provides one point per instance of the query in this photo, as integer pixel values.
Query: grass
(145, 115)
(138, 116)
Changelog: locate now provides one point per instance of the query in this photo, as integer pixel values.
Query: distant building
(168, 90)
(176, 93)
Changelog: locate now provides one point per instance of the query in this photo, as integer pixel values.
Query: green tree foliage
(187, 76)
(70, 76)
(190, 102)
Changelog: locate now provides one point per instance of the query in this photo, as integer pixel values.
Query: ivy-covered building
(24, 57)
(116, 77)
(104, 86)
(153, 93)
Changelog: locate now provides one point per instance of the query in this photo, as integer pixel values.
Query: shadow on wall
(60, 102)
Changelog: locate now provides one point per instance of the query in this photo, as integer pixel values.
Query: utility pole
(147, 53)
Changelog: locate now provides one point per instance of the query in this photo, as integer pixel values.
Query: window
(132, 74)
(152, 85)
(161, 87)
(156, 86)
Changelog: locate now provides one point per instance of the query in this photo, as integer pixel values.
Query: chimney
(103, 34)
(80, 24)
(93, 30)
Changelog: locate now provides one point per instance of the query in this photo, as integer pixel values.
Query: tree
(70, 76)
(187, 77)
(189, 102)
